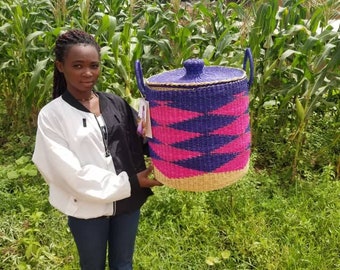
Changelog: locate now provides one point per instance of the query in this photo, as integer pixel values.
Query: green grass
(254, 224)
(258, 223)
(265, 221)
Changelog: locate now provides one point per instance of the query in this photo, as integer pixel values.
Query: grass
(256, 223)
(263, 221)
(259, 224)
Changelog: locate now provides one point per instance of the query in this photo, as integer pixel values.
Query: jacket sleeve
(60, 166)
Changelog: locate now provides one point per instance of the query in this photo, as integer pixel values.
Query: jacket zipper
(105, 136)
(114, 208)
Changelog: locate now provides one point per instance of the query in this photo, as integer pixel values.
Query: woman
(88, 151)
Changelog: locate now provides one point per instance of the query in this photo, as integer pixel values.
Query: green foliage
(21, 46)
(297, 65)
(27, 238)
(161, 34)
(256, 223)
(262, 222)
(296, 55)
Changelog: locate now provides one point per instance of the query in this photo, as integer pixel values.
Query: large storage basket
(200, 124)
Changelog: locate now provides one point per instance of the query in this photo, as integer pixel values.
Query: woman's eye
(77, 66)
(95, 66)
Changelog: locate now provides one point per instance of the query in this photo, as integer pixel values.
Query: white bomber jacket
(87, 177)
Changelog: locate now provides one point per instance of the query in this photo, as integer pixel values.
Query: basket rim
(196, 83)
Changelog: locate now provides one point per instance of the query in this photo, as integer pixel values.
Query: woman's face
(81, 68)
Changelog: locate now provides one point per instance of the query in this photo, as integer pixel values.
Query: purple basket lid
(195, 73)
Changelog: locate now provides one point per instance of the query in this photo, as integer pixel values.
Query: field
(284, 214)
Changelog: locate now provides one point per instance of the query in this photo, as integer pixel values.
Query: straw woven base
(206, 182)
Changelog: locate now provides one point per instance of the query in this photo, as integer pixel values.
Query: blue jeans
(92, 236)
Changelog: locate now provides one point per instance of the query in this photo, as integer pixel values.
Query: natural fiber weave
(200, 125)
(205, 182)
(201, 135)
(234, 73)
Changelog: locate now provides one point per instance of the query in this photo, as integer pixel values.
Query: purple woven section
(200, 130)
(194, 72)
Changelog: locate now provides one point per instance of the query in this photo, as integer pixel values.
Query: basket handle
(140, 78)
(248, 57)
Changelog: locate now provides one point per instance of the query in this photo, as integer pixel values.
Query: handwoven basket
(200, 124)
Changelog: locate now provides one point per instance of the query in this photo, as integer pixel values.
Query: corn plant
(20, 45)
(28, 32)
(297, 57)
(295, 51)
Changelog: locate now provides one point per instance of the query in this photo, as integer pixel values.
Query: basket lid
(195, 73)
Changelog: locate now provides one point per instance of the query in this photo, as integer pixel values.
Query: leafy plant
(297, 59)
(19, 42)
(262, 222)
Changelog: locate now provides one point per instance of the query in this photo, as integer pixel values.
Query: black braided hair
(62, 45)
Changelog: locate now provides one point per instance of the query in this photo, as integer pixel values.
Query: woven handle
(248, 57)
(140, 78)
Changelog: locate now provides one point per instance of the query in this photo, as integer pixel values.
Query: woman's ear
(59, 66)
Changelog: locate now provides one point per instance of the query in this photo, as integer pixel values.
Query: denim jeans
(93, 236)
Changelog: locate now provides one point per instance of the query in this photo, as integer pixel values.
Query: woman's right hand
(145, 181)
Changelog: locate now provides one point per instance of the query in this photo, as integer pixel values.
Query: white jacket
(69, 154)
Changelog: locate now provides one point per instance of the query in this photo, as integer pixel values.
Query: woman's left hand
(145, 181)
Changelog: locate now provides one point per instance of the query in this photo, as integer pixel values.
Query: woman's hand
(145, 181)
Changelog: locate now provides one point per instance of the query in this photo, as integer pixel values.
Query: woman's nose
(87, 72)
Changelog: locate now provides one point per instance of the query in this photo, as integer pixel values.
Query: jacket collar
(73, 101)
(103, 102)
(67, 96)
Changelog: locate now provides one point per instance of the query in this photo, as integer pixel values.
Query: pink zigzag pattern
(171, 170)
(170, 153)
(238, 145)
(169, 135)
(236, 107)
(237, 127)
(165, 115)
(238, 163)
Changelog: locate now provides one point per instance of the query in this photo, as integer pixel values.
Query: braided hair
(63, 44)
